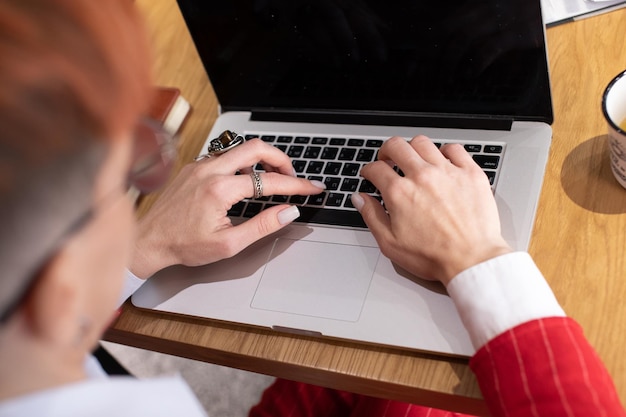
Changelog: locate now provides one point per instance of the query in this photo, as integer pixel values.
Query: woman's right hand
(440, 218)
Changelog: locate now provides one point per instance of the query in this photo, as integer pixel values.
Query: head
(74, 82)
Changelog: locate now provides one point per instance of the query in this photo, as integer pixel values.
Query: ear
(52, 305)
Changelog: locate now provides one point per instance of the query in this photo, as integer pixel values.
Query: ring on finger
(257, 184)
(226, 141)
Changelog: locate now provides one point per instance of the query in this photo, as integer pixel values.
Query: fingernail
(318, 184)
(294, 173)
(288, 215)
(357, 201)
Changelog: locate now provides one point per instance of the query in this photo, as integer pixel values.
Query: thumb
(373, 213)
(263, 224)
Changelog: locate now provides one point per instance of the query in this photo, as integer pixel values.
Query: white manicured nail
(288, 215)
(357, 201)
(318, 184)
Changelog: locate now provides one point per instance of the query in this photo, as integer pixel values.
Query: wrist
(150, 254)
(501, 293)
(470, 259)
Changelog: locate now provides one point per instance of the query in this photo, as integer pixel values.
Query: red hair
(86, 58)
(74, 75)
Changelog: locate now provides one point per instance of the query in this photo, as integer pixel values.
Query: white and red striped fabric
(544, 367)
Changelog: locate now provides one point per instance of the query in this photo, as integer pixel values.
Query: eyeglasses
(154, 153)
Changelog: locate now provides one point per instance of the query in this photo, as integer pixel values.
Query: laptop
(328, 82)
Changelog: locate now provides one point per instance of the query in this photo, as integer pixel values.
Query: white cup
(614, 109)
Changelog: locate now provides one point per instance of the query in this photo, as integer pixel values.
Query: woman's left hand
(189, 225)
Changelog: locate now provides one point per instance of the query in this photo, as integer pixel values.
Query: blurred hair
(74, 75)
(70, 66)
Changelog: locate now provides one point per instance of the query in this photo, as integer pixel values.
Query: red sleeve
(545, 367)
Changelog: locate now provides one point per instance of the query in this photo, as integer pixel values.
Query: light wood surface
(578, 240)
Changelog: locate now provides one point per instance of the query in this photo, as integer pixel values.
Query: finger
(246, 170)
(374, 216)
(269, 168)
(398, 150)
(427, 150)
(263, 224)
(379, 173)
(457, 154)
(274, 183)
(249, 154)
(411, 156)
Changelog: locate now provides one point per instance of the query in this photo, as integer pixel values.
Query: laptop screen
(482, 59)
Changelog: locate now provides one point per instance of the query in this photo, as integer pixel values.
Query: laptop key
(332, 168)
(487, 161)
(367, 187)
(329, 153)
(312, 152)
(237, 209)
(295, 151)
(493, 149)
(329, 216)
(320, 141)
(350, 184)
(298, 165)
(491, 175)
(473, 148)
(314, 167)
(374, 143)
(252, 209)
(302, 139)
(334, 199)
(347, 154)
(332, 183)
(297, 199)
(317, 200)
(350, 170)
(365, 155)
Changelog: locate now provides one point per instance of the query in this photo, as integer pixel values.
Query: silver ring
(226, 141)
(257, 184)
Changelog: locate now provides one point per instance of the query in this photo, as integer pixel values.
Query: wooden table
(578, 240)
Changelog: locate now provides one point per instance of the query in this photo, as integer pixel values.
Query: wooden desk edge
(154, 337)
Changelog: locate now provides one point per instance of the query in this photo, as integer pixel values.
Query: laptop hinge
(386, 119)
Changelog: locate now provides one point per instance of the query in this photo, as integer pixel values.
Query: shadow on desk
(587, 179)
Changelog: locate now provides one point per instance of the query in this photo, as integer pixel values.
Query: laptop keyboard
(337, 162)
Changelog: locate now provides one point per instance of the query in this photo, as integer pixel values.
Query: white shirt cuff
(131, 284)
(501, 293)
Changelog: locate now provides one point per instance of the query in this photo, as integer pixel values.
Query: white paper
(561, 11)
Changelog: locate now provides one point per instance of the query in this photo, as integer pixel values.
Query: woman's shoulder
(118, 396)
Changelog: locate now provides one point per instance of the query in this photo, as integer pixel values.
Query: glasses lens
(153, 157)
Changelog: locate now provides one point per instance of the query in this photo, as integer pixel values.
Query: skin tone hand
(441, 216)
(189, 225)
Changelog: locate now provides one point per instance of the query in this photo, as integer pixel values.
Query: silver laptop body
(330, 280)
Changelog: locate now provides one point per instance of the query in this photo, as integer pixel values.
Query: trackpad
(317, 279)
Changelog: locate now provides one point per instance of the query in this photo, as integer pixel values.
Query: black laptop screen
(479, 58)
